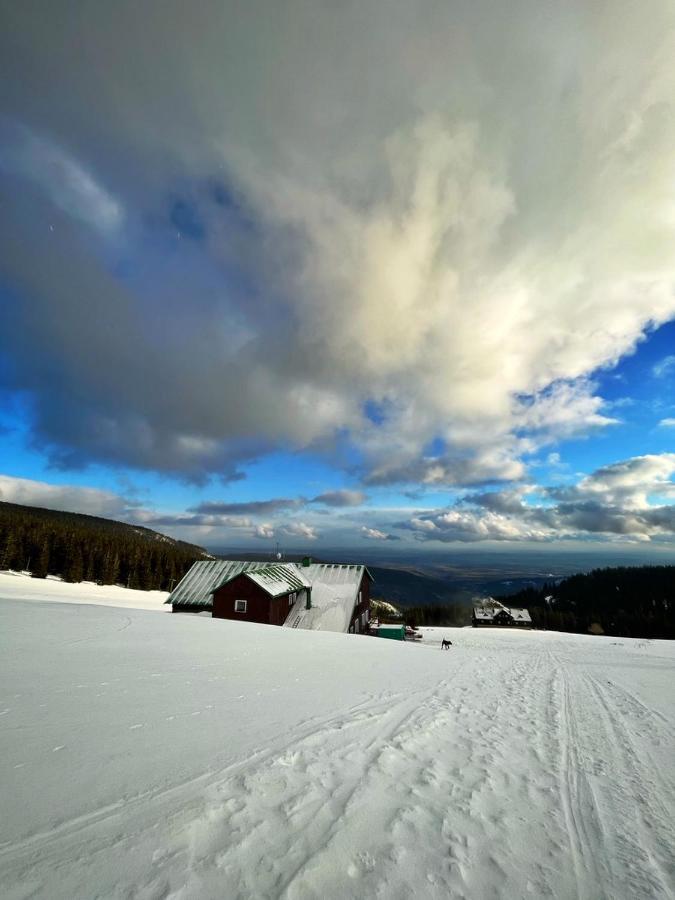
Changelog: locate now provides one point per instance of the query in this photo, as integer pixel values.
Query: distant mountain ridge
(82, 547)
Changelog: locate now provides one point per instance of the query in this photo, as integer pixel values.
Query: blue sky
(256, 288)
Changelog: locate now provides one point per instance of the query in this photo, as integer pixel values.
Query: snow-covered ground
(152, 756)
(23, 587)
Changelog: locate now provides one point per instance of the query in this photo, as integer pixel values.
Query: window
(240, 606)
(359, 596)
(291, 599)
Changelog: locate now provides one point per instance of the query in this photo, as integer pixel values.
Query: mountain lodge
(495, 614)
(308, 595)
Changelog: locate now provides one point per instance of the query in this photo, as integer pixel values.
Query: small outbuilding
(391, 632)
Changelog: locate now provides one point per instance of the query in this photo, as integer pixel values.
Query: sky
(339, 274)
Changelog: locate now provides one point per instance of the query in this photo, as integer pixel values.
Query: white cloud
(268, 531)
(300, 529)
(436, 244)
(664, 367)
(624, 501)
(667, 423)
(629, 483)
(374, 534)
(71, 498)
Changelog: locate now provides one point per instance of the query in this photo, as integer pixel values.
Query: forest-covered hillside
(89, 548)
(632, 602)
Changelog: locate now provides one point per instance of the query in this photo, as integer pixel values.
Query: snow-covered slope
(182, 757)
(21, 586)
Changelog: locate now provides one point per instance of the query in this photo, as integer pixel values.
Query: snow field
(21, 586)
(181, 757)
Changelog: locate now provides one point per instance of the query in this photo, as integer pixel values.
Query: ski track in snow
(517, 765)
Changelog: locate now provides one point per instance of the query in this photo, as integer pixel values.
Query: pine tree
(41, 565)
(9, 551)
(74, 570)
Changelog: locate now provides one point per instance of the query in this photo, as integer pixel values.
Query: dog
(446, 645)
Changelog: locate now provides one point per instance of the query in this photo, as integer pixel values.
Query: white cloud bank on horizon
(453, 213)
(632, 501)
(70, 498)
(628, 500)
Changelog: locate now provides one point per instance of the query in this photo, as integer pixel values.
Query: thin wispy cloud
(664, 367)
(341, 498)
(59, 175)
(251, 507)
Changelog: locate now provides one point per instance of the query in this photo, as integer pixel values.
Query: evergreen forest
(88, 548)
(630, 602)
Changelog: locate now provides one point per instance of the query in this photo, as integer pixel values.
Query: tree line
(437, 614)
(88, 548)
(627, 602)
(430, 615)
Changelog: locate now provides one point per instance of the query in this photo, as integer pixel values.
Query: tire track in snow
(603, 785)
(101, 634)
(622, 697)
(583, 856)
(639, 792)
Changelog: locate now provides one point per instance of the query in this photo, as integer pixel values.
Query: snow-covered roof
(278, 579)
(487, 614)
(484, 612)
(520, 615)
(335, 589)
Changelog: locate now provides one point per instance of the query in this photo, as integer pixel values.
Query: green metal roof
(275, 579)
(196, 587)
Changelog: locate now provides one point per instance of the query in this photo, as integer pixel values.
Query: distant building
(315, 596)
(495, 614)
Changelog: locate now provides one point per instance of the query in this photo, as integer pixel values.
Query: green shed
(392, 632)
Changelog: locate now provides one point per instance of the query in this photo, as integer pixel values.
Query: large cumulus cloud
(233, 228)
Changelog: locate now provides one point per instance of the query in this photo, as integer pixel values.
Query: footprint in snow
(361, 865)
